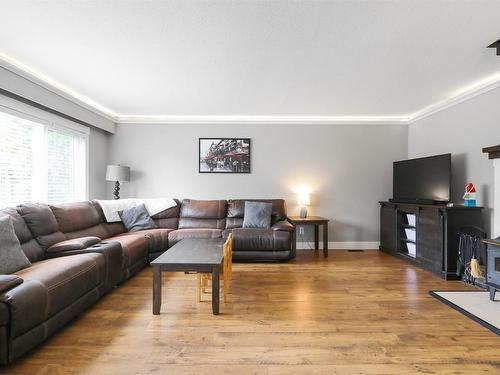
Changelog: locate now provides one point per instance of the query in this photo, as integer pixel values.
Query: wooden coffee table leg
(215, 290)
(156, 290)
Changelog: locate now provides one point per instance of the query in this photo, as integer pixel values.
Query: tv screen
(425, 180)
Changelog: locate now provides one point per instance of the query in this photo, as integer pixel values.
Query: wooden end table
(317, 221)
(190, 255)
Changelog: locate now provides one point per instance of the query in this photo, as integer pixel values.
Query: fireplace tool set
(470, 254)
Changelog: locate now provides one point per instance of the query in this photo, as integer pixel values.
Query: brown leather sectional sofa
(77, 257)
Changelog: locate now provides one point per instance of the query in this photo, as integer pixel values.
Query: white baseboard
(341, 245)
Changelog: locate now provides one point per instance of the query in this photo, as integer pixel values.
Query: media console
(425, 234)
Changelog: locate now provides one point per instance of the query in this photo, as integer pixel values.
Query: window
(41, 160)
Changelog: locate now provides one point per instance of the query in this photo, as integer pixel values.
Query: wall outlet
(301, 231)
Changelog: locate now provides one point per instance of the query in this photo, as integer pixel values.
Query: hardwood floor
(352, 313)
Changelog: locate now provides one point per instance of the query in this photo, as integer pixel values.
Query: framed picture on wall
(224, 155)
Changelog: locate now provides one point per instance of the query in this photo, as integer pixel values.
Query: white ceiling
(256, 58)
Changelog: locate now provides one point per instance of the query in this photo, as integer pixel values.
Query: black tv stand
(426, 234)
(417, 201)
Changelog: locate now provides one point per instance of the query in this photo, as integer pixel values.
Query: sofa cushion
(168, 218)
(260, 239)
(12, 258)
(80, 219)
(114, 229)
(203, 214)
(169, 213)
(75, 216)
(257, 215)
(8, 282)
(31, 248)
(136, 218)
(180, 234)
(236, 211)
(135, 247)
(158, 238)
(42, 223)
(73, 244)
(50, 286)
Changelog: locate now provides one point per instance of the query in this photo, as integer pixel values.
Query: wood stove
(493, 266)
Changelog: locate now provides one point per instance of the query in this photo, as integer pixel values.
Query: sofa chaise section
(37, 301)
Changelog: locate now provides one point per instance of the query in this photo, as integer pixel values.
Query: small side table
(317, 221)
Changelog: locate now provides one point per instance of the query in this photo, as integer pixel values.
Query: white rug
(475, 305)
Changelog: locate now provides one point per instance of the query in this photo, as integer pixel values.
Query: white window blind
(41, 161)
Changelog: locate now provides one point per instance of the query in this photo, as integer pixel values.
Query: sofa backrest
(236, 211)
(42, 223)
(79, 219)
(168, 218)
(112, 229)
(203, 214)
(31, 248)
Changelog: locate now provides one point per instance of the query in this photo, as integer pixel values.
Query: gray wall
(348, 167)
(98, 156)
(463, 130)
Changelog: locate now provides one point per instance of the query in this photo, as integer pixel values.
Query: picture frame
(224, 155)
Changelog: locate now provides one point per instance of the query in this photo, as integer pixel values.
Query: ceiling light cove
(476, 88)
(239, 119)
(30, 73)
(465, 93)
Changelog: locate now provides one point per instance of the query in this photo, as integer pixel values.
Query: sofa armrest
(74, 244)
(8, 282)
(283, 225)
(112, 251)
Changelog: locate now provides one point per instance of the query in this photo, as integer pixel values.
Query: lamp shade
(303, 198)
(117, 173)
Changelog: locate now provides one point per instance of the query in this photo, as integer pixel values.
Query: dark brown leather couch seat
(50, 286)
(180, 234)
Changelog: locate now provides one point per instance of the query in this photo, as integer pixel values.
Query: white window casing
(43, 157)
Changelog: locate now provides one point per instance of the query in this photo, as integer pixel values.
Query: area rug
(475, 305)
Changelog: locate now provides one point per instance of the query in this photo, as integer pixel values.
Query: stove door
(493, 268)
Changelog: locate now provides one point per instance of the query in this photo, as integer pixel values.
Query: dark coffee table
(190, 255)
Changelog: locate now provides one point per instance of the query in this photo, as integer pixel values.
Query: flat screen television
(423, 180)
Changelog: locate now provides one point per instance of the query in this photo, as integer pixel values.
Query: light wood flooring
(353, 313)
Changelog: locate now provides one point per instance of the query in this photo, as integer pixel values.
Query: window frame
(16, 108)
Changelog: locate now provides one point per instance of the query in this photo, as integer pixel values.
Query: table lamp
(303, 199)
(117, 173)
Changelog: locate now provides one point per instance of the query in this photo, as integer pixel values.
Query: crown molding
(458, 97)
(16, 67)
(318, 120)
(53, 86)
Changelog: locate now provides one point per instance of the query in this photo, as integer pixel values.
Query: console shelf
(436, 228)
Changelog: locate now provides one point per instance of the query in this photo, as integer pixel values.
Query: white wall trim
(341, 245)
(55, 87)
(468, 93)
(223, 119)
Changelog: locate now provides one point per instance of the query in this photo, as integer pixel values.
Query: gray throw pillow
(137, 218)
(257, 215)
(12, 258)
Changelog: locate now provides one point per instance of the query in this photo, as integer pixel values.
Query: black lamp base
(116, 191)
